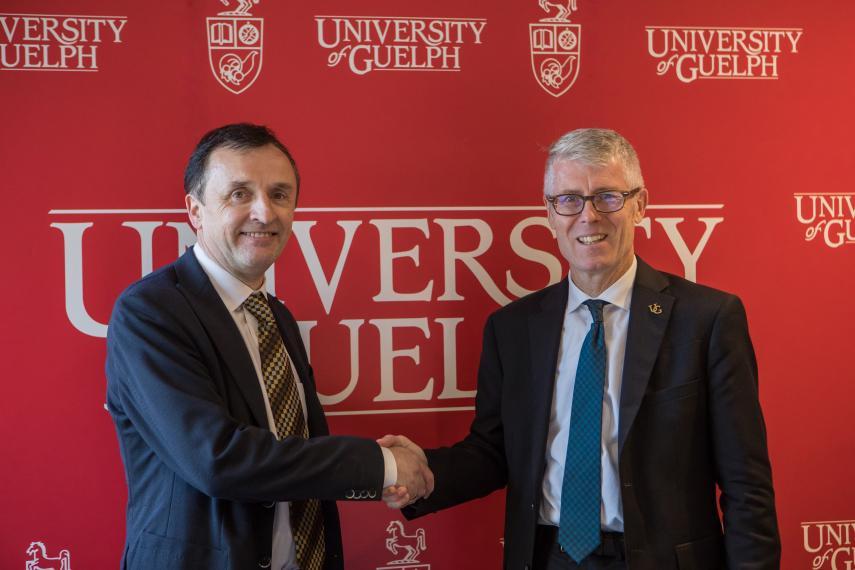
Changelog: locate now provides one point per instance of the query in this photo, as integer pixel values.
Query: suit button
(264, 562)
(531, 506)
(269, 505)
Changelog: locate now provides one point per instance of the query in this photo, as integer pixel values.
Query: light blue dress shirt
(577, 322)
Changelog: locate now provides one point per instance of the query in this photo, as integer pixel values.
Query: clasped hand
(415, 479)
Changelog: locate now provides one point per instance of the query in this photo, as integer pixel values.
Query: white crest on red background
(235, 42)
(555, 47)
(405, 547)
(39, 559)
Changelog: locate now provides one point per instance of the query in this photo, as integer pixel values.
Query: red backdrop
(420, 130)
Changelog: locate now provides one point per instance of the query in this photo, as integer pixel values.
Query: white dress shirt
(577, 323)
(233, 293)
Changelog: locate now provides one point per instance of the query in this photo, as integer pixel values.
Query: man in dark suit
(613, 404)
(228, 458)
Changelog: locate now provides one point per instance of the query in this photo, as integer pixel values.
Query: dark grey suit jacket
(203, 469)
(689, 421)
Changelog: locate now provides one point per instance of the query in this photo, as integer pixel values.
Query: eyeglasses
(603, 202)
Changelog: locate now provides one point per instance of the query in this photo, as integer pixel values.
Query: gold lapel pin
(655, 308)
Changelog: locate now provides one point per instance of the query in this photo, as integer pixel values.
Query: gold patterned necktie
(307, 523)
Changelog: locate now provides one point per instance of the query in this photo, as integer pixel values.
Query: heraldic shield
(235, 50)
(555, 53)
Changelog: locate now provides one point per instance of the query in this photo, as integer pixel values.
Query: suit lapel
(544, 334)
(648, 319)
(208, 306)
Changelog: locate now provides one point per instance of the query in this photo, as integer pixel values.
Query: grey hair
(595, 147)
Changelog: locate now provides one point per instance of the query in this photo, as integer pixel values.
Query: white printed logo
(829, 215)
(668, 226)
(831, 543)
(397, 44)
(235, 46)
(39, 560)
(54, 42)
(698, 52)
(406, 546)
(555, 48)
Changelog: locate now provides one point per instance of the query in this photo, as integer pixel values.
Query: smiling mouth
(592, 239)
(258, 234)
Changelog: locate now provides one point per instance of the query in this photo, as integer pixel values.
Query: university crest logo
(405, 547)
(555, 48)
(39, 559)
(235, 46)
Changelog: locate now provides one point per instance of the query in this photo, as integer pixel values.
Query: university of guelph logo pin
(555, 48)
(235, 46)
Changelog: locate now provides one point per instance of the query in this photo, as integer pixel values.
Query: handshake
(415, 479)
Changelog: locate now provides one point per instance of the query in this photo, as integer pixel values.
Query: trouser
(548, 554)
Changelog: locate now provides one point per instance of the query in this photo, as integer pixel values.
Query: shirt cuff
(390, 467)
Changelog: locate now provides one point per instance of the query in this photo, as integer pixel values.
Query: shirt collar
(618, 294)
(232, 290)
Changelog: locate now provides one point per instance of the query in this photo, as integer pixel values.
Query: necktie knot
(257, 306)
(596, 308)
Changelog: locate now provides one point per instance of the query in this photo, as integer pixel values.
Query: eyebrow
(237, 184)
(599, 190)
(276, 185)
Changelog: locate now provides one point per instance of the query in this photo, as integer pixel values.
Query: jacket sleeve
(742, 463)
(170, 411)
(476, 466)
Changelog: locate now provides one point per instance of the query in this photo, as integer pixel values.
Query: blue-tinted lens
(568, 202)
(608, 201)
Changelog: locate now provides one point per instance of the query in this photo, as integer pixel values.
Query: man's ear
(641, 205)
(549, 214)
(194, 211)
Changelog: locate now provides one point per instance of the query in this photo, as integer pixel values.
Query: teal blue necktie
(579, 527)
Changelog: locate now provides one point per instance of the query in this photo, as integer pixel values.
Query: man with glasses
(615, 403)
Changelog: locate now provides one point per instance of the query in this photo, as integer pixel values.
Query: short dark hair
(238, 136)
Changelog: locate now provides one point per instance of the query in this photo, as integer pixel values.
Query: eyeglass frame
(626, 195)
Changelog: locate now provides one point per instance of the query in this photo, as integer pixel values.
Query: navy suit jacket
(203, 469)
(689, 421)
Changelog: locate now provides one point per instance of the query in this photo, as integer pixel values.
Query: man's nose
(589, 212)
(262, 210)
